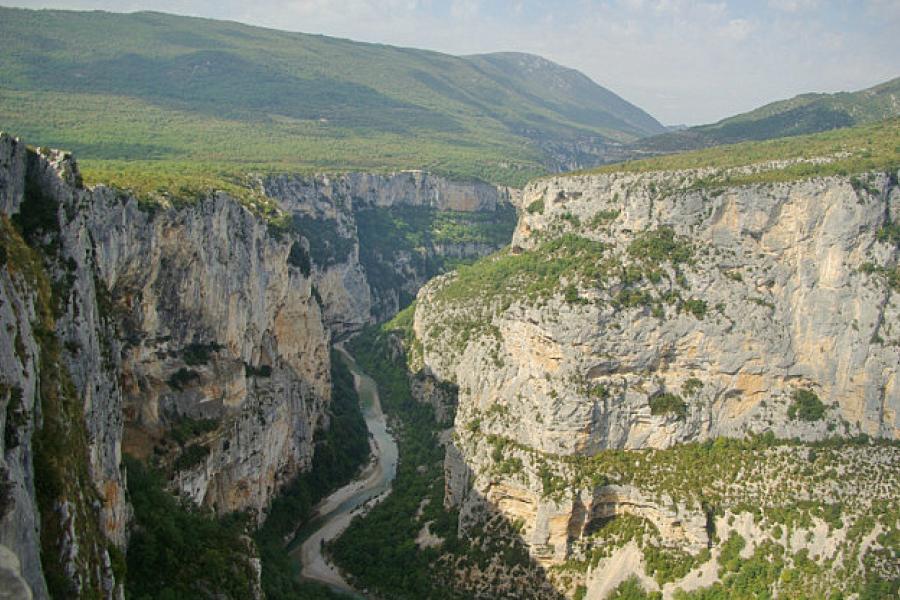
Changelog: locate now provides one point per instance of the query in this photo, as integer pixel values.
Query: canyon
(662, 381)
(195, 335)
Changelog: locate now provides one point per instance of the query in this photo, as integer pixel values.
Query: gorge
(333, 514)
(574, 379)
(215, 350)
(304, 317)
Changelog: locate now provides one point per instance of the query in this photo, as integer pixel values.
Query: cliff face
(375, 239)
(729, 301)
(64, 501)
(644, 311)
(217, 325)
(194, 335)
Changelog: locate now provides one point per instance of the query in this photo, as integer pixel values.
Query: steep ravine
(333, 514)
(192, 334)
(639, 316)
(659, 385)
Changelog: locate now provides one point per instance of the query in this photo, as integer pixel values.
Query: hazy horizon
(683, 62)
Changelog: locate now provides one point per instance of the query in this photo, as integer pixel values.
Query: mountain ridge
(154, 86)
(800, 115)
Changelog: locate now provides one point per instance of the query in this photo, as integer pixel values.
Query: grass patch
(871, 147)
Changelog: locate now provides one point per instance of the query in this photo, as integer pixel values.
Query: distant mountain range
(804, 114)
(157, 86)
(153, 96)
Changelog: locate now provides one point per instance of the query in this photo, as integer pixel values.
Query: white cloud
(737, 29)
(464, 9)
(793, 5)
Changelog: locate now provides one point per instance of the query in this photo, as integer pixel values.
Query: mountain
(683, 370)
(152, 86)
(803, 114)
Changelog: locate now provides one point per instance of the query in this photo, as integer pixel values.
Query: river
(333, 514)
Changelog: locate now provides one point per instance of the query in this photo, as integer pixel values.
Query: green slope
(845, 151)
(804, 114)
(151, 86)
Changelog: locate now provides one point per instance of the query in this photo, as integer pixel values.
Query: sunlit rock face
(193, 333)
(681, 314)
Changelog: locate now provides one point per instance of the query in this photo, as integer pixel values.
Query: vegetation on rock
(861, 149)
(179, 551)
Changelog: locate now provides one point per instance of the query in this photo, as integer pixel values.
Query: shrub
(299, 257)
(631, 589)
(16, 416)
(199, 354)
(660, 245)
(536, 207)
(190, 457)
(602, 218)
(695, 307)
(182, 378)
(668, 403)
(260, 371)
(691, 386)
(187, 428)
(806, 406)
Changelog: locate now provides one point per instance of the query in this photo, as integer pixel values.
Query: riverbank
(334, 514)
(342, 451)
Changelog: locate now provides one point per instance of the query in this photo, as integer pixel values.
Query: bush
(668, 403)
(199, 354)
(299, 257)
(730, 553)
(190, 457)
(182, 378)
(806, 406)
(695, 307)
(186, 428)
(260, 371)
(631, 589)
(536, 207)
(691, 386)
(660, 245)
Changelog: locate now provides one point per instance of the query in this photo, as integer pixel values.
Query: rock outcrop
(367, 267)
(643, 311)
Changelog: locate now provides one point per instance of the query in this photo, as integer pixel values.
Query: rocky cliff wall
(192, 334)
(638, 311)
(64, 507)
(729, 300)
(368, 266)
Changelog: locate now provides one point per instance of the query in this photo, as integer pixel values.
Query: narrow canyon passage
(334, 513)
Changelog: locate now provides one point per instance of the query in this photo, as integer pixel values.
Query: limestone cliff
(376, 239)
(646, 311)
(191, 333)
(64, 507)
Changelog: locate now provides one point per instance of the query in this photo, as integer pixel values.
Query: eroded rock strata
(650, 313)
(192, 334)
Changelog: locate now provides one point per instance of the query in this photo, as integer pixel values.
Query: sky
(684, 62)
